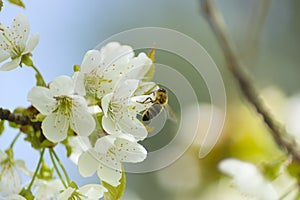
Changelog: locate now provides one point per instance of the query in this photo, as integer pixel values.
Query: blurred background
(266, 35)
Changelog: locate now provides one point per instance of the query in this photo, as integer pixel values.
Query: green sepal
(76, 68)
(26, 194)
(1, 4)
(1, 126)
(27, 60)
(271, 170)
(45, 173)
(39, 80)
(73, 185)
(294, 170)
(67, 146)
(17, 3)
(115, 193)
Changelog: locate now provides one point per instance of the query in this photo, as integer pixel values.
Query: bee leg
(147, 99)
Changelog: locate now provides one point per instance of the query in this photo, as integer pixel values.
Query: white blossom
(47, 189)
(10, 180)
(13, 42)
(79, 145)
(248, 179)
(107, 156)
(62, 108)
(101, 70)
(121, 109)
(86, 192)
(14, 197)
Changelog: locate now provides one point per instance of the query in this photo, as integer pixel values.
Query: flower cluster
(96, 113)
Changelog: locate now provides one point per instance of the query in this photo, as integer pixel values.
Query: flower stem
(236, 67)
(61, 166)
(14, 141)
(37, 169)
(56, 168)
(39, 77)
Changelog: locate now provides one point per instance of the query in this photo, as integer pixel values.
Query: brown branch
(19, 119)
(237, 69)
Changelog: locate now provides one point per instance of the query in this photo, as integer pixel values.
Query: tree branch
(19, 119)
(236, 67)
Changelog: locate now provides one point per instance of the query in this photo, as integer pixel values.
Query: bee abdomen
(152, 112)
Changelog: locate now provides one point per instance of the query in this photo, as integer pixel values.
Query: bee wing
(171, 114)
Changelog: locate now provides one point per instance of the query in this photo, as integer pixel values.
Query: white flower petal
(105, 101)
(104, 144)
(11, 64)
(47, 189)
(10, 182)
(146, 88)
(21, 29)
(91, 61)
(66, 194)
(42, 100)
(79, 145)
(79, 83)
(62, 85)
(114, 53)
(15, 197)
(133, 126)
(82, 122)
(110, 174)
(55, 127)
(3, 56)
(92, 191)
(139, 65)
(32, 42)
(130, 151)
(87, 163)
(248, 179)
(109, 125)
(21, 167)
(125, 89)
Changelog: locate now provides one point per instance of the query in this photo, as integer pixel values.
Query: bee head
(162, 90)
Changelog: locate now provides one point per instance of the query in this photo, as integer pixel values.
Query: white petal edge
(87, 163)
(92, 191)
(32, 43)
(11, 64)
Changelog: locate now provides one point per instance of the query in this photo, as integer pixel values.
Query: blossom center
(65, 104)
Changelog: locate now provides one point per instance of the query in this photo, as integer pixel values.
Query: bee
(159, 101)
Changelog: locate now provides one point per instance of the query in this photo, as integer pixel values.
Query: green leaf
(1, 126)
(17, 2)
(115, 193)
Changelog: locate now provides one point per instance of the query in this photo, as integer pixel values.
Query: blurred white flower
(248, 179)
(63, 109)
(79, 145)
(293, 116)
(120, 110)
(10, 181)
(101, 70)
(107, 156)
(47, 189)
(13, 42)
(14, 197)
(86, 192)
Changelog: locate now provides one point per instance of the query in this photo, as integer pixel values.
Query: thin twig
(237, 69)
